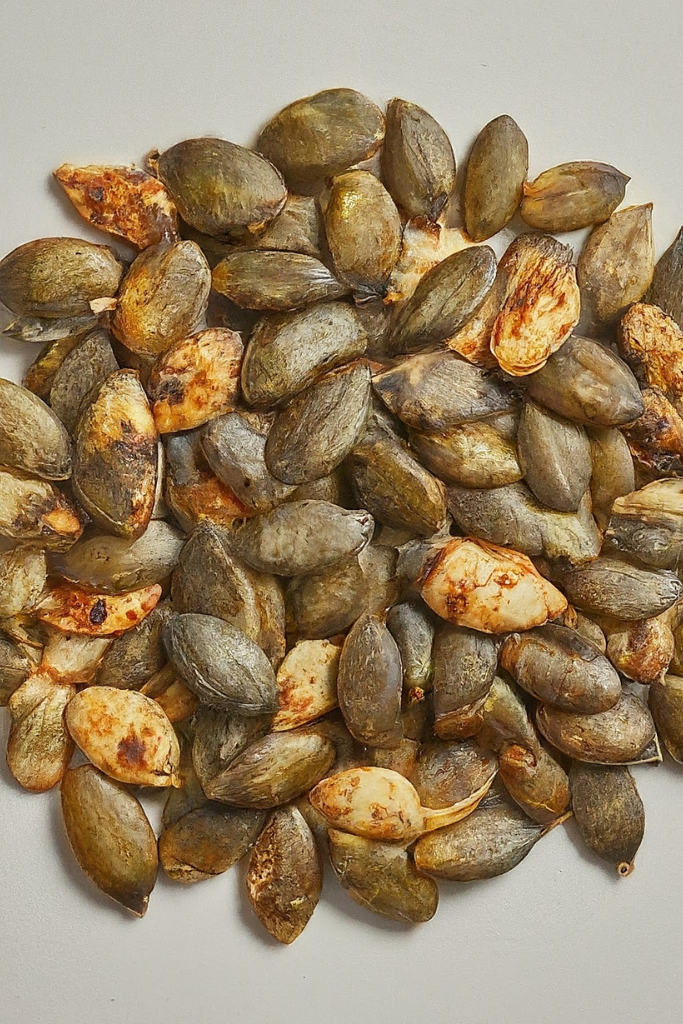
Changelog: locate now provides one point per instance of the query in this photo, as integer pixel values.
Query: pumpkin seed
(641, 650)
(647, 524)
(656, 437)
(609, 586)
(23, 574)
(666, 705)
(617, 262)
(193, 491)
(272, 280)
(219, 738)
(15, 667)
(418, 165)
(446, 773)
(80, 377)
(188, 797)
(555, 457)
(615, 736)
(473, 454)
(74, 610)
(39, 747)
(306, 683)
(506, 720)
(464, 666)
(369, 683)
(135, 656)
(412, 627)
(208, 841)
(652, 343)
(64, 332)
(573, 195)
(32, 438)
(536, 782)
(176, 699)
(608, 812)
(496, 171)
(401, 759)
(666, 290)
(322, 604)
(612, 474)
(235, 446)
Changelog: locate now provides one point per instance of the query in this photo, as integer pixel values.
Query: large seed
(612, 472)
(616, 736)
(418, 165)
(32, 438)
(464, 666)
(235, 448)
(617, 262)
(370, 683)
(473, 454)
(573, 195)
(23, 574)
(307, 684)
(39, 747)
(208, 841)
(271, 280)
(412, 627)
(110, 836)
(285, 877)
(496, 170)
(535, 781)
(555, 457)
(80, 377)
(219, 738)
(446, 773)
(134, 657)
(612, 587)
(666, 290)
(608, 812)
(73, 610)
(666, 705)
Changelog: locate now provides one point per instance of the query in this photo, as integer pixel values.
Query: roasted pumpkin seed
(80, 377)
(573, 195)
(616, 736)
(271, 280)
(369, 683)
(617, 262)
(418, 165)
(555, 457)
(496, 170)
(608, 812)
(412, 627)
(666, 290)
(464, 666)
(39, 747)
(306, 683)
(32, 437)
(208, 841)
(666, 705)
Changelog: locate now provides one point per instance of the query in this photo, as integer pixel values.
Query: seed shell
(573, 195)
(496, 170)
(370, 682)
(608, 812)
(418, 165)
(32, 438)
(208, 841)
(39, 747)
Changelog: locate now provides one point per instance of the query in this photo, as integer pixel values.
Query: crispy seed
(612, 587)
(464, 666)
(652, 343)
(612, 473)
(58, 277)
(418, 165)
(555, 457)
(124, 201)
(74, 610)
(32, 509)
(135, 656)
(370, 682)
(616, 263)
(39, 747)
(176, 699)
(666, 290)
(666, 705)
(472, 454)
(615, 736)
(80, 377)
(536, 782)
(284, 879)
(573, 195)
(208, 841)
(65, 332)
(235, 447)
(656, 437)
(412, 627)
(608, 812)
(32, 438)
(126, 735)
(278, 281)
(219, 738)
(496, 170)
(321, 135)
(23, 574)
(15, 667)
(648, 523)
(640, 650)
(447, 773)
(306, 683)
(110, 836)
(112, 565)
(193, 491)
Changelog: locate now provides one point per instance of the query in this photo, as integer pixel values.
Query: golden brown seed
(617, 262)
(656, 437)
(193, 491)
(535, 781)
(74, 610)
(573, 195)
(39, 747)
(307, 684)
(641, 650)
(32, 509)
(652, 343)
(648, 523)
(69, 658)
(208, 841)
(609, 813)
(269, 280)
(616, 736)
(418, 165)
(496, 170)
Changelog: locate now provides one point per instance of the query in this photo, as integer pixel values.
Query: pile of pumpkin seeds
(360, 543)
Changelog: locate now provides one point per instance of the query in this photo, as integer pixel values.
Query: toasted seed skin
(57, 277)
(39, 747)
(573, 195)
(269, 280)
(125, 734)
(320, 426)
(555, 457)
(135, 656)
(496, 170)
(556, 665)
(110, 836)
(273, 770)
(235, 449)
(80, 377)
(536, 782)
(472, 454)
(464, 666)
(445, 299)
(666, 290)
(113, 565)
(72, 609)
(324, 603)
(32, 438)
(33, 509)
(221, 664)
(307, 684)
(587, 383)
(608, 812)
(446, 773)
(302, 536)
(652, 344)
(284, 879)
(609, 737)
(382, 878)
(641, 650)
(617, 262)
(612, 473)
(369, 683)
(612, 587)
(321, 135)
(412, 627)
(193, 491)
(208, 841)
(23, 574)
(418, 165)
(15, 667)
(647, 524)
(656, 437)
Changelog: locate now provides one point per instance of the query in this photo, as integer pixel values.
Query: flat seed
(464, 666)
(608, 812)
(446, 773)
(609, 737)
(23, 574)
(322, 604)
(74, 610)
(80, 377)
(473, 454)
(219, 738)
(666, 290)
(496, 170)
(612, 587)
(65, 331)
(370, 683)
(135, 656)
(555, 457)
(418, 165)
(69, 658)
(39, 747)
(412, 627)
(612, 472)
(110, 836)
(536, 782)
(32, 438)
(270, 280)
(573, 195)
(193, 491)
(666, 705)
(306, 683)
(617, 262)
(208, 841)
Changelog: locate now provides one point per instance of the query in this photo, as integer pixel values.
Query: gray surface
(559, 940)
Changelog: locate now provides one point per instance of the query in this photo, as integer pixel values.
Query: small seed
(80, 377)
(193, 491)
(536, 782)
(412, 627)
(641, 650)
(219, 738)
(666, 705)
(555, 457)
(15, 667)
(64, 332)
(473, 454)
(23, 574)
(446, 773)
(612, 587)
(112, 565)
(656, 437)
(176, 699)
(612, 472)
(617, 262)
(135, 656)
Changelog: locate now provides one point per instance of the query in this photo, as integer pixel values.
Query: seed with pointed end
(616, 736)
(110, 836)
(321, 135)
(74, 610)
(369, 683)
(418, 165)
(284, 879)
(609, 813)
(126, 735)
(612, 472)
(235, 447)
(33, 509)
(617, 262)
(666, 290)
(193, 491)
(648, 523)
(23, 574)
(32, 438)
(666, 705)
(65, 331)
(306, 683)
(573, 195)
(382, 878)
(446, 773)
(322, 604)
(656, 437)
(124, 201)
(298, 228)
(219, 738)
(80, 377)
(612, 587)
(464, 666)
(473, 454)
(496, 170)
(15, 667)
(135, 656)
(535, 781)
(641, 650)
(270, 280)
(555, 457)
(412, 627)
(39, 747)
(208, 841)
(58, 277)
(273, 770)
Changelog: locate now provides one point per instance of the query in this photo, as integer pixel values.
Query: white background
(559, 940)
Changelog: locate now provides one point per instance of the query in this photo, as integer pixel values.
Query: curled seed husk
(188, 797)
(394, 487)
(235, 447)
(506, 720)
(80, 377)
(496, 170)
(322, 604)
(221, 664)
(464, 666)
(126, 735)
(488, 588)
(23, 574)
(666, 290)
(608, 812)
(656, 437)
(555, 457)
(616, 263)
(321, 135)
(666, 706)
(222, 189)
(541, 304)
(495, 838)
(609, 586)
(124, 201)
(648, 523)
(412, 627)
(112, 565)
(208, 841)
(32, 437)
(615, 736)
(320, 426)
(363, 229)
(219, 738)
(58, 277)
(195, 379)
(401, 759)
(652, 344)
(110, 836)
(302, 536)
(473, 454)
(71, 609)
(418, 165)
(382, 878)
(163, 297)
(446, 773)
(286, 351)
(278, 281)
(535, 781)
(446, 298)
(573, 195)
(369, 683)
(587, 383)
(64, 332)
(194, 493)
(643, 650)
(285, 875)
(176, 699)
(377, 803)
(15, 667)
(39, 747)
(134, 657)
(273, 770)
(437, 390)
(556, 665)
(612, 473)
(307, 684)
